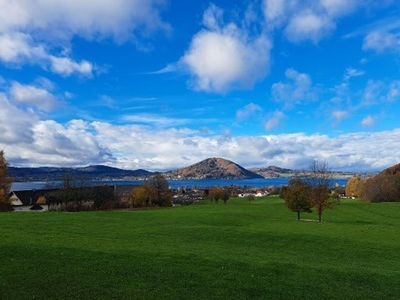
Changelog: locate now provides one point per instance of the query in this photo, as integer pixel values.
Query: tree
(5, 184)
(226, 195)
(140, 197)
(41, 200)
(382, 188)
(216, 194)
(297, 196)
(319, 180)
(159, 192)
(354, 187)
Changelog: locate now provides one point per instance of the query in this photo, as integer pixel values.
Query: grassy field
(205, 251)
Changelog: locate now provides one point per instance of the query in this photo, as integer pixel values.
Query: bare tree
(320, 179)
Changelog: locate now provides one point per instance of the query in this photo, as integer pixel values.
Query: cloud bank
(31, 140)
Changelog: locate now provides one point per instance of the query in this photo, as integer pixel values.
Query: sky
(161, 84)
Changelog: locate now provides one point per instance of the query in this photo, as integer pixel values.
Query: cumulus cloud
(35, 96)
(247, 112)
(90, 19)
(297, 89)
(66, 66)
(224, 56)
(32, 141)
(32, 30)
(15, 124)
(307, 20)
(19, 48)
(308, 25)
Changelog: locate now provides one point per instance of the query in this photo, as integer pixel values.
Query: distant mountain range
(211, 168)
(90, 172)
(273, 172)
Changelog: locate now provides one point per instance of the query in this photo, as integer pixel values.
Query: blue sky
(162, 84)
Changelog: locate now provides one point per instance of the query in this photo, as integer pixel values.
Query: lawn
(207, 251)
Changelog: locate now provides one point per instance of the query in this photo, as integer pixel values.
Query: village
(113, 197)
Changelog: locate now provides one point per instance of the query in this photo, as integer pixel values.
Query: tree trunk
(320, 215)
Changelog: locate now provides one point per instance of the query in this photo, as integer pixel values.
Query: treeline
(384, 187)
(154, 193)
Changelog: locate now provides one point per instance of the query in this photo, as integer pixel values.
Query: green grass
(205, 251)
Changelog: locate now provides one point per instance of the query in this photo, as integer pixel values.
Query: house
(33, 200)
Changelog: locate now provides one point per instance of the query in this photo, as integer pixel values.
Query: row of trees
(304, 194)
(5, 184)
(381, 188)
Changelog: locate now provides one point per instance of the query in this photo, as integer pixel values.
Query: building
(33, 200)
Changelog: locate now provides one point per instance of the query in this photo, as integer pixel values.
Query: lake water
(201, 183)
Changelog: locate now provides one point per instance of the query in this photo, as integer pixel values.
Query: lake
(200, 183)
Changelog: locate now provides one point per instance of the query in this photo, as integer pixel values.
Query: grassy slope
(240, 250)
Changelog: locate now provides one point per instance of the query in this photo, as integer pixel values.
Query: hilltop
(214, 168)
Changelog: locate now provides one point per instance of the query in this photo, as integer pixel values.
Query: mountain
(89, 172)
(213, 168)
(272, 172)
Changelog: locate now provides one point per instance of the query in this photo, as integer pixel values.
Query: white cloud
(339, 7)
(352, 73)
(155, 120)
(340, 115)
(368, 121)
(31, 31)
(393, 94)
(15, 124)
(33, 96)
(29, 140)
(18, 48)
(380, 92)
(275, 10)
(222, 57)
(381, 42)
(275, 121)
(307, 25)
(66, 66)
(299, 88)
(247, 112)
(118, 19)
(307, 20)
